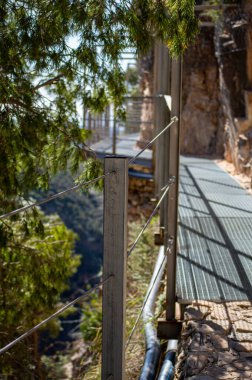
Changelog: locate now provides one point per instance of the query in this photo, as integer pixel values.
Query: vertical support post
(172, 210)
(162, 86)
(114, 264)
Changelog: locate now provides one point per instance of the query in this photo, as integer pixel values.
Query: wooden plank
(114, 263)
(171, 219)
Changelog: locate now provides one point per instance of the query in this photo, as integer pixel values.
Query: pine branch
(49, 81)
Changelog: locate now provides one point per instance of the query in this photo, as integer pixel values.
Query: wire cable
(144, 303)
(170, 243)
(165, 191)
(58, 312)
(54, 196)
(173, 120)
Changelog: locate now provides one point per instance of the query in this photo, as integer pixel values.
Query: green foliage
(55, 54)
(181, 25)
(36, 262)
(70, 50)
(92, 321)
(91, 169)
(82, 212)
(55, 366)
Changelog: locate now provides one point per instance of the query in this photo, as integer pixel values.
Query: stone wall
(141, 193)
(202, 119)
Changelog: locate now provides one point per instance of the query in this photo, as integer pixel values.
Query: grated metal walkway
(125, 146)
(215, 234)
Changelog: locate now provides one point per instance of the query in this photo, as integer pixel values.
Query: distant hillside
(83, 213)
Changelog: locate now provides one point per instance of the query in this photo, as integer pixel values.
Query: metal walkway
(125, 146)
(215, 234)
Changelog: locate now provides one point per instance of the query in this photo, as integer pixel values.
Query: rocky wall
(216, 342)
(202, 119)
(234, 51)
(147, 107)
(141, 193)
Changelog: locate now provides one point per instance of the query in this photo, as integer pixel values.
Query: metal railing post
(114, 264)
(173, 170)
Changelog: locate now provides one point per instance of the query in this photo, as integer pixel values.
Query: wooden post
(172, 210)
(162, 86)
(162, 114)
(114, 264)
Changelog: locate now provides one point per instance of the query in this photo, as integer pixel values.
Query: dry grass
(140, 269)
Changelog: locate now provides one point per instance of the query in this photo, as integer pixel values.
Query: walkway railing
(122, 134)
(115, 258)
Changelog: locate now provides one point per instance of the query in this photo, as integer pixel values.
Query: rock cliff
(202, 117)
(217, 89)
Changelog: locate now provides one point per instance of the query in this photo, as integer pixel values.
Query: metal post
(172, 210)
(114, 263)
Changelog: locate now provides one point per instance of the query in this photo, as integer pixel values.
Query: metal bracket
(159, 237)
(169, 329)
(170, 242)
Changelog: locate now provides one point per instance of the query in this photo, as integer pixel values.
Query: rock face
(202, 120)
(233, 46)
(217, 90)
(141, 191)
(147, 106)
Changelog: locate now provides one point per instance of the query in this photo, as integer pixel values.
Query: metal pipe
(167, 370)
(153, 349)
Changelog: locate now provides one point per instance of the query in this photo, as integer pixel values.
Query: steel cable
(148, 293)
(54, 196)
(58, 312)
(165, 191)
(144, 303)
(173, 120)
